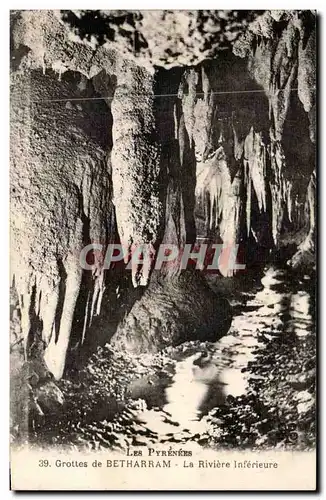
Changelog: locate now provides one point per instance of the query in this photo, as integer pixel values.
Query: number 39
(43, 463)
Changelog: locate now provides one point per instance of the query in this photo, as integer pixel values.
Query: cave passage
(163, 205)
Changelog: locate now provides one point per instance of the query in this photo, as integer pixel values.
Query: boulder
(172, 311)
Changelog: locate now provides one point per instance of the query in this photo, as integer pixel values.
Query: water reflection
(277, 309)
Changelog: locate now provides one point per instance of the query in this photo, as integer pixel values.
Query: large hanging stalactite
(136, 167)
(60, 202)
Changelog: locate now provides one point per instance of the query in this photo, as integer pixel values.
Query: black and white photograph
(163, 249)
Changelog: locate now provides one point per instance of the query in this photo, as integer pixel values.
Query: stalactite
(55, 352)
(276, 187)
(136, 163)
(279, 64)
(248, 201)
(307, 75)
(204, 125)
(187, 92)
(255, 158)
(238, 145)
(283, 73)
(213, 178)
(178, 230)
(224, 193)
(273, 63)
(60, 202)
(274, 66)
(177, 117)
(218, 188)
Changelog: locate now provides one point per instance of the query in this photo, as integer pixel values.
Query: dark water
(273, 317)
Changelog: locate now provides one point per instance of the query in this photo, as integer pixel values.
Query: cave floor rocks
(253, 389)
